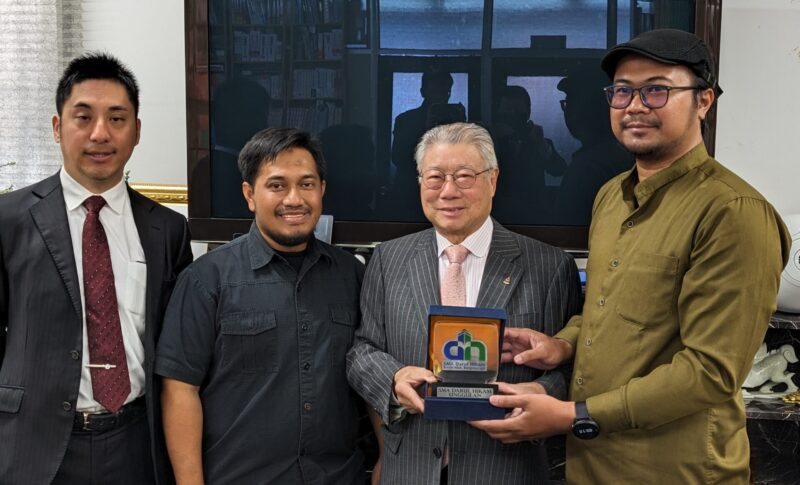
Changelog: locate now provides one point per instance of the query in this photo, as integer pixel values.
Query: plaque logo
(464, 354)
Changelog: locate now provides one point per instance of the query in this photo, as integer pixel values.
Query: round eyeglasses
(653, 96)
(464, 178)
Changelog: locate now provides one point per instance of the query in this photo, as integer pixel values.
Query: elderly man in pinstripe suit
(535, 283)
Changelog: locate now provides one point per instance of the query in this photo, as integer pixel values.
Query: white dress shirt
(130, 276)
(478, 245)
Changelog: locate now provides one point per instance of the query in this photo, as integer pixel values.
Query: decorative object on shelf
(769, 370)
(793, 398)
(789, 291)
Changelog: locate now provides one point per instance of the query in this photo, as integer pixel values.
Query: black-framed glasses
(653, 96)
(464, 178)
(563, 103)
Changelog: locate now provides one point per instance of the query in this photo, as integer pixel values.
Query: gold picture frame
(163, 193)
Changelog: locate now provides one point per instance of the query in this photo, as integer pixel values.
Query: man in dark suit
(535, 283)
(86, 269)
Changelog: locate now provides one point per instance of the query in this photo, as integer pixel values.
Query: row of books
(271, 12)
(273, 83)
(318, 11)
(313, 46)
(256, 46)
(257, 12)
(314, 118)
(316, 83)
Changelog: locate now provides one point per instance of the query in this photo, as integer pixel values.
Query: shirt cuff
(570, 334)
(396, 411)
(172, 370)
(553, 383)
(609, 410)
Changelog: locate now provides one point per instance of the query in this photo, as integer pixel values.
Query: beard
(292, 239)
(647, 152)
(289, 240)
(652, 153)
(658, 151)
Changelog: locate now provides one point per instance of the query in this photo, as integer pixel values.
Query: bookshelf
(292, 48)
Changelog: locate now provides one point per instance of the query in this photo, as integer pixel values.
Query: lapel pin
(507, 280)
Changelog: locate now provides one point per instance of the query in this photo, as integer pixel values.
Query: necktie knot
(456, 253)
(94, 203)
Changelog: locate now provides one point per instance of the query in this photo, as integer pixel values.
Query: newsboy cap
(668, 46)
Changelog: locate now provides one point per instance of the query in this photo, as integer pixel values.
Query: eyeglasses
(653, 96)
(563, 103)
(464, 178)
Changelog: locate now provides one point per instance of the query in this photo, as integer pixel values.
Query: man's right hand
(524, 346)
(406, 382)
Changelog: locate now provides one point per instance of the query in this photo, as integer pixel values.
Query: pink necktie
(111, 383)
(454, 285)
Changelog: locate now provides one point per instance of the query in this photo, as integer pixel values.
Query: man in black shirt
(255, 336)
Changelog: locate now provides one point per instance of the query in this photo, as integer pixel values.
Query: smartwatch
(584, 427)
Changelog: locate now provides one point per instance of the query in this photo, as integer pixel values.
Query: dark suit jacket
(538, 287)
(41, 325)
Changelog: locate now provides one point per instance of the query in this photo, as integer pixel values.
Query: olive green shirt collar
(636, 194)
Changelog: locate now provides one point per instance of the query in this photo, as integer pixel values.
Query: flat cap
(668, 46)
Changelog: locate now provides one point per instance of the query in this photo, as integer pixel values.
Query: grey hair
(454, 133)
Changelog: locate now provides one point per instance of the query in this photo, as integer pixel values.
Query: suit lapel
(424, 275)
(152, 238)
(500, 275)
(50, 217)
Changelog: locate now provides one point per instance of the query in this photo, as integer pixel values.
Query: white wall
(147, 35)
(758, 124)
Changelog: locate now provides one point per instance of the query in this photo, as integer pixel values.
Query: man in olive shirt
(684, 263)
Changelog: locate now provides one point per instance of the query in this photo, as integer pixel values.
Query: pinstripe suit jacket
(41, 325)
(401, 282)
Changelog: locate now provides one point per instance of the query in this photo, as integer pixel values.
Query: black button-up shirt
(267, 347)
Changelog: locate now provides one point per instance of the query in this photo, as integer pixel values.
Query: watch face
(585, 429)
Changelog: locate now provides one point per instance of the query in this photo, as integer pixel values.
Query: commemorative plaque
(464, 347)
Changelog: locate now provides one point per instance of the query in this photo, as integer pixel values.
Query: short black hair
(266, 145)
(96, 65)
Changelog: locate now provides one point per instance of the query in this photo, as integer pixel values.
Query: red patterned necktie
(454, 286)
(111, 383)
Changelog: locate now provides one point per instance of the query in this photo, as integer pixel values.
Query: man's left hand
(535, 416)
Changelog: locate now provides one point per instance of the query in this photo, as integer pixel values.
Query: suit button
(601, 302)
(588, 342)
(579, 381)
(304, 327)
(306, 366)
(629, 224)
(66, 406)
(437, 452)
(307, 406)
(614, 263)
(75, 355)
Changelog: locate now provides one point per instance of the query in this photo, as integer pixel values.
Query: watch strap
(581, 411)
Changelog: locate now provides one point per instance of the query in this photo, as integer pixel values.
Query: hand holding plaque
(464, 348)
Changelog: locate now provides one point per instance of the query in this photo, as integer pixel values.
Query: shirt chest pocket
(250, 341)
(649, 289)
(344, 319)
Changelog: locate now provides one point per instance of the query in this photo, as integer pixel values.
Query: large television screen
(369, 77)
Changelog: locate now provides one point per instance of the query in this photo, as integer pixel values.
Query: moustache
(640, 120)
